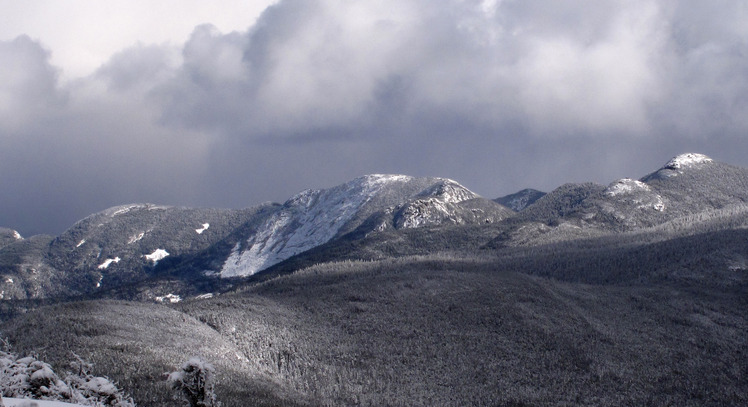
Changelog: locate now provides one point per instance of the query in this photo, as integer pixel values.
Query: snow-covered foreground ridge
(36, 403)
(314, 217)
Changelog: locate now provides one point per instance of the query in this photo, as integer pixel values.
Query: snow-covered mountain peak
(625, 186)
(435, 205)
(447, 190)
(677, 165)
(309, 219)
(687, 160)
(314, 217)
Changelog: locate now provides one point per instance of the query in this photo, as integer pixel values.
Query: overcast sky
(234, 103)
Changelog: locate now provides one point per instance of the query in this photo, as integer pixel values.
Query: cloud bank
(499, 95)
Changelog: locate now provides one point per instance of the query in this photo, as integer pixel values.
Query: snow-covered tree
(195, 381)
(93, 390)
(28, 377)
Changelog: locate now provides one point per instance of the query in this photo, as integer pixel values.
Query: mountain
(151, 252)
(159, 247)
(687, 185)
(364, 205)
(518, 201)
(120, 245)
(703, 197)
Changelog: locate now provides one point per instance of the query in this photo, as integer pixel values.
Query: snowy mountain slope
(117, 246)
(314, 217)
(447, 203)
(695, 182)
(560, 203)
(24, 272)
(518, 201)
(434, 212)
(687, 185)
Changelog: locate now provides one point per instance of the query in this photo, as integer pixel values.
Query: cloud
(75, 149)
(497, 94)
(85, 33)
(28, 85)
(326, 64)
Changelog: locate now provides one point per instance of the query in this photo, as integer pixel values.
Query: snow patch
(9, 280)
(81, 243)
(158, 254)
(17, 235)
(171, 298)
(687, 160)
(204, 296)
(202, 229)
(136, 238)
(107, 262)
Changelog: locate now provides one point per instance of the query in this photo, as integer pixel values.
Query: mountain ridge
(138, 243)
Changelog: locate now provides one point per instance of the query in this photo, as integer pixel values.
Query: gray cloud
(499, 95)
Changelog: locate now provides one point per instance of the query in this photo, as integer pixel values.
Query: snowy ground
(35, 403)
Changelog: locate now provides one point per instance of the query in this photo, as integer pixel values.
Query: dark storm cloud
(499, 95)
(67, 151)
